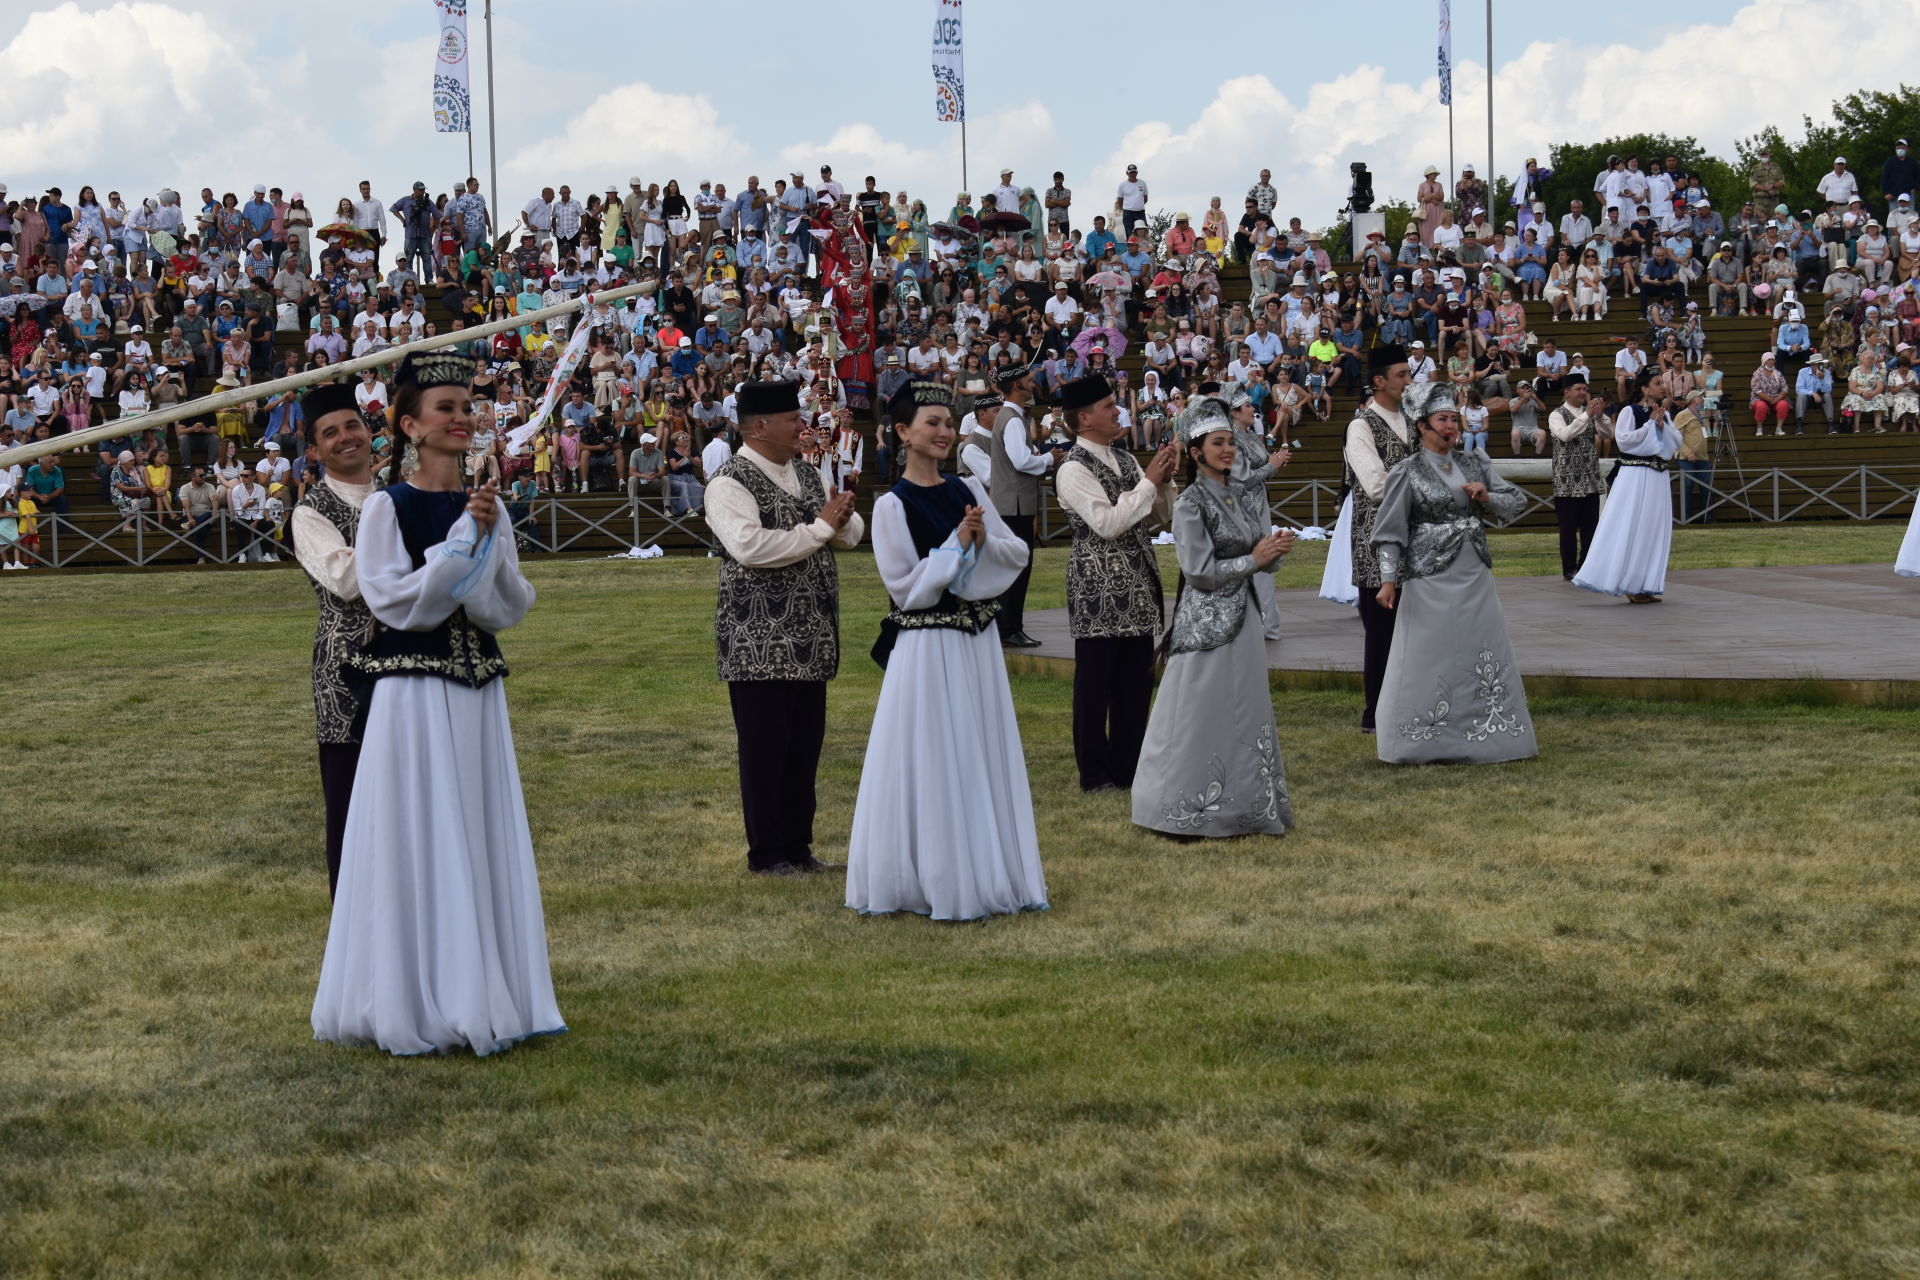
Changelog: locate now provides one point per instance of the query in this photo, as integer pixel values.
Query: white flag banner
(562, 372)
(949, 64)
(452, 99)
(1446, 53)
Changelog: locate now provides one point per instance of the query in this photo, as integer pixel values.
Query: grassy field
(1644, 1006)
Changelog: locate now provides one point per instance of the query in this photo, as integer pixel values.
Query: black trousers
(1377, 620)
(1013, 601)
(1112, 691)
(338, 763)
(780, 726)
(1578, 518)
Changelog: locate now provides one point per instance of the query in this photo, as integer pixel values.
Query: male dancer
(1377, 440)
(324, 526)
(1114, 600)
(777, 623)
(1014, 486)
(1576, 470)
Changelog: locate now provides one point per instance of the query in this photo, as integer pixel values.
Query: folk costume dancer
(777, 623)
(1253, 466)
(1907, 563)
(1378, 439)
(976, 439)
(1452, 691)
(944, 822)
(437, 939)
(1211, 763)
(1016, 468)
(1635, 537)
(1114, 599)
(324, 525)
(1575, 427)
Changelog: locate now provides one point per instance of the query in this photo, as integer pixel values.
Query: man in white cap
(1839, 184)
(1133, 197)
(1006, 195)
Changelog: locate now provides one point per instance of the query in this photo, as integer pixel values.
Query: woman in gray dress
(1452, 692)
(1210, 765)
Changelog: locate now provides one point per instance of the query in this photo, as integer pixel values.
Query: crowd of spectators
(108, 309)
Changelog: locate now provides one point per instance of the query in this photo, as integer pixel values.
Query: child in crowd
(1316, 387)
(1474, 414)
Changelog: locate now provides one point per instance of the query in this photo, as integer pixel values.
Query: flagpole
(963, 155)
(1492, 173)
(492, 150)
(133, 426)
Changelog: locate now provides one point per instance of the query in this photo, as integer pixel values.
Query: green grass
(1644, 1006)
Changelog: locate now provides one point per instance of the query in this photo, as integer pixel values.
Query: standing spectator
(1838, 186)
(1695, 461)
(1899, 176)
(1059, 204)
(1132, 197)
(415, 213)
(469, 215)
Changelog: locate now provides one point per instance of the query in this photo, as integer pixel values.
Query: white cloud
(634, 129)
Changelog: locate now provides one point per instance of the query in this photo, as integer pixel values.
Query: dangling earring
(409, 459)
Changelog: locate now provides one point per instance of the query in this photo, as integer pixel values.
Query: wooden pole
(119, 427)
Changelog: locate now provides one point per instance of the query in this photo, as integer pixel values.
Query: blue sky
(228, 93)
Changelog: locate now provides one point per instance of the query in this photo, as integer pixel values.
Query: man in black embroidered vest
(777, 624)
(1013, 482)
(324, 526)
(1574, 427)
(1114, 598)
(1378, 439)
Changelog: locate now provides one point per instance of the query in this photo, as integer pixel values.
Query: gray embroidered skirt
(1452, 692)
(1210, 765)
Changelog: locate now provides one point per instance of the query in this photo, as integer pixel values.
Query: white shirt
(1551, 363)
(734, 517)
(1012, 425)
(1061, 309)
(249, 500)
(1133, 196)
(318, 546)
(1838, 186)
(1630, 362)
(371, 215)
(1080, 492)
(538, 214)
(1362, 455)
(364, 393)
(272, 469)
(1423, 368)
(918, 360)
(1007, 198)
(716, 455)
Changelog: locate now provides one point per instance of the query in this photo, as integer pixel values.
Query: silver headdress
(1206, 414)
(1424, 399)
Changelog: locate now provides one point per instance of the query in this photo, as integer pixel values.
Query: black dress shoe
(813, 866)
(1019, 640)
(777, 869)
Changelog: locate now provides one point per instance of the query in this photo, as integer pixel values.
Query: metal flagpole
(266, 390)
(1492, 178)
(492, 152)
(963, 156)
(1452, 177)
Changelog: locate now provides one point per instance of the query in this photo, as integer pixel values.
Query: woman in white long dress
(1336, 580)
(943, 825)
(1635, 533)
(437, 939)
(1907, 564)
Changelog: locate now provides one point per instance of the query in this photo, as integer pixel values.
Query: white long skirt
(943, 825)
(1634, 537)
(1907, 564)
(1336, 580)
(437, 939)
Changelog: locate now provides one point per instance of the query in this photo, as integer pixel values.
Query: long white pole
(326, 373)
(1492, 172)
(493, 150)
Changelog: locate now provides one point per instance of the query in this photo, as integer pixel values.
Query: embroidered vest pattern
(1113, 584)
(1576, 464)
(1393, 451)
(779, 624)
(345, 629)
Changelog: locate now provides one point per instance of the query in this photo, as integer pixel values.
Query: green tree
(1576, 165)
(1864, 128)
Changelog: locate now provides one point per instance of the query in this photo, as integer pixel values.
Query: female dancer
(944, 821)
(437, 939)
(1210, 764)
(1451, 691)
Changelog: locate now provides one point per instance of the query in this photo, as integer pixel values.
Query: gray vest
(1014, 492)
(1393, 451)
(340, 695)
(1113, 584)
(779, 624)
(1576, 462)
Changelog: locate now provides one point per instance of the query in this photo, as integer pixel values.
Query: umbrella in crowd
(1106, 280)
(1005, 220)
(12, 302)
(347, 232)
(1112, 341)
(947, 231)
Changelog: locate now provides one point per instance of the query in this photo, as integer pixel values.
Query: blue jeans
(1694, 497)
(1474, 441)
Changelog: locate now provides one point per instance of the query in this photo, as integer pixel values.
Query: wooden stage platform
(1838, 633)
